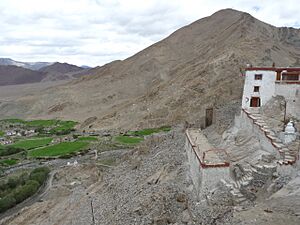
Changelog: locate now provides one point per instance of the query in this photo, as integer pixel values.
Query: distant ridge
(11, 75)
(27, 65)
(63, 71)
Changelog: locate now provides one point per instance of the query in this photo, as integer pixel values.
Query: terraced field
(60, 149)
(32, 143)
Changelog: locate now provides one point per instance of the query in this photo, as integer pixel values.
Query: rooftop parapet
(206, 154)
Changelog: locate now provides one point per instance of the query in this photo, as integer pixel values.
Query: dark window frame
(256, 88)
(258, 77)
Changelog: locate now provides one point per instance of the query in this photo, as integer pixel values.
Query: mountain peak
(58, 67)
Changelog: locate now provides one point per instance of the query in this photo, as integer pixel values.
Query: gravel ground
(149, 185)
(152, 187)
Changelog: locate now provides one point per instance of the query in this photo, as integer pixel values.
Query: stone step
(240, 200)
(286, 162)
(237, 195)
(285, 150)
(248, 179)
(237, 185)
(280, 162)
(245, 183)
(278, 144)
(271, 136)
(288, 157)
(260, 121)
(247, 175)
(253, 169)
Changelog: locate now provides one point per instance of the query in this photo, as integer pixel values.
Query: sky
(95, 32)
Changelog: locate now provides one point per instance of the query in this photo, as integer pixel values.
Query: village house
(11, 133)
(263, 83)
(4, 141)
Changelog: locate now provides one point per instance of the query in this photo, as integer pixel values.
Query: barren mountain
(10, 75)
(14, 75)
(62, 71)
(174, 80)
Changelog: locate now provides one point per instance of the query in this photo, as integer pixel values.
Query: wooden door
(209, 117)
(255, 102)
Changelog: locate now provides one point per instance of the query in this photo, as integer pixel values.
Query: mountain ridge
(176, 79)
(26, 65)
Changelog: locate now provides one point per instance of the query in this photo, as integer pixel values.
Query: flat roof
(275, 69)
(207, 154)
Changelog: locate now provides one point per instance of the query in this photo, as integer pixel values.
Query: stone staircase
(236, 186)
(287, 156)
(235, 192)
(239, 188)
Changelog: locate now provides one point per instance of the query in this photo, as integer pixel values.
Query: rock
(181, 197)
(185, 217)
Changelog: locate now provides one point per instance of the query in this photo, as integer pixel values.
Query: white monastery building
(262, 83)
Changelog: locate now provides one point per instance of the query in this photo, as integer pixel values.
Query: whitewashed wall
(194, 165)
(291, 93)
(204, 179)
(267, 86)
(265, 143)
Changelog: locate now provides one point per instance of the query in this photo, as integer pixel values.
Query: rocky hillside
(175, 80)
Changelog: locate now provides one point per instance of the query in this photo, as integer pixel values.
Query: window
(290, 76)
(258, 77)
(256, 88)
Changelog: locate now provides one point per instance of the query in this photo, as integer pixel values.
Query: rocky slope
(174, 80)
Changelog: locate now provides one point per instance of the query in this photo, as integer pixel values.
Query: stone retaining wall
(248, 124)
(205, 177)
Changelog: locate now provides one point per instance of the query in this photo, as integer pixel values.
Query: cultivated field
(60, 149)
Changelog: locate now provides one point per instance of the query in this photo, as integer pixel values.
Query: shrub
(12, 182)
(10, 150)
(7, 202)
(25, 191)
(17, 189)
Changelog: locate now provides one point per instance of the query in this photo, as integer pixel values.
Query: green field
(60, 149)
(57, 126)
(2, 133)
(32, 143)
(8, 162)
(88, 139)
(128, 140)
(63, 127)
(148, 131)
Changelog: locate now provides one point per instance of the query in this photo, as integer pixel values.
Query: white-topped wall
(291, 93)
(266, 90)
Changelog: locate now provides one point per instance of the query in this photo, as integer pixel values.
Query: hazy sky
(94, 32)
